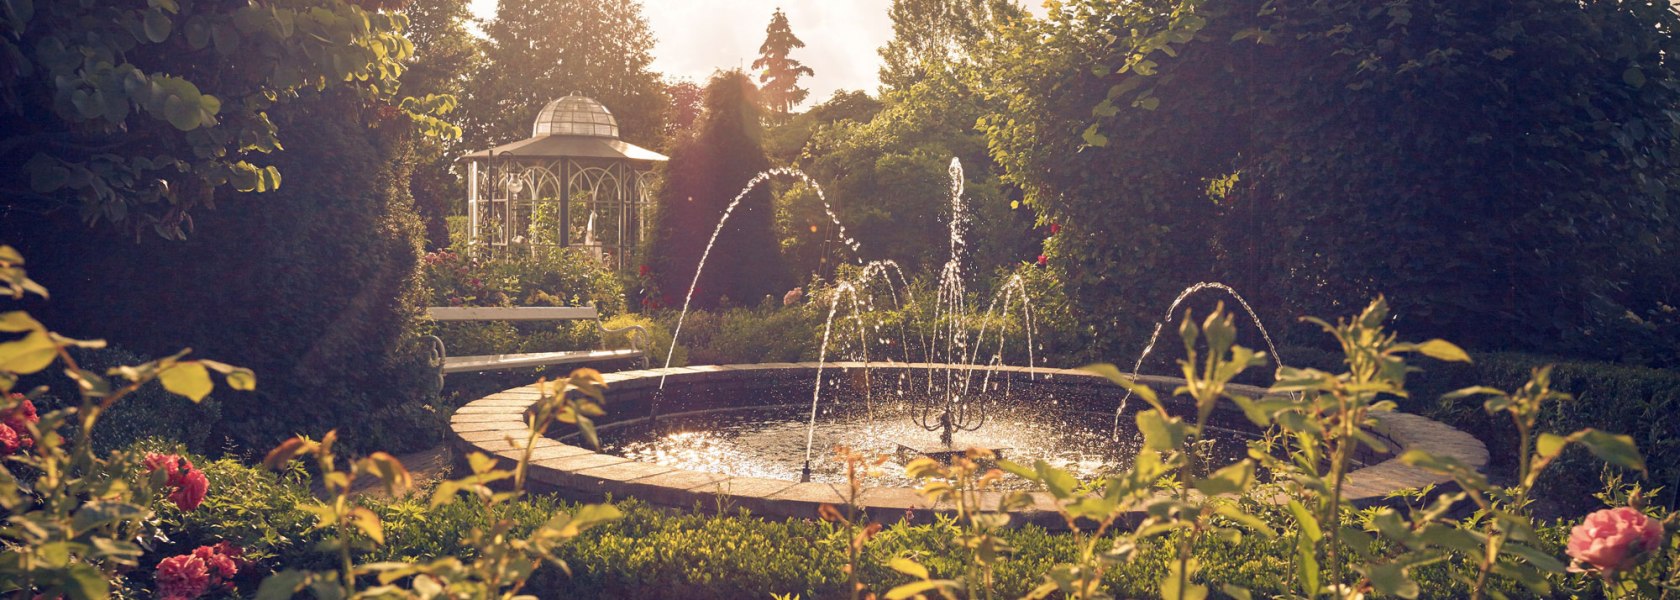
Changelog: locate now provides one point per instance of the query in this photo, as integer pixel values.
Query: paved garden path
(425, 466)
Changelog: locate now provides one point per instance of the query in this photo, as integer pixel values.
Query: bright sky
(697, 37)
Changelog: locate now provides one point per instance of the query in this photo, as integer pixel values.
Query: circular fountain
(760, 437)
(692, 458)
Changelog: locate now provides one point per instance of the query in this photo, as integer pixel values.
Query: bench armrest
(640, 341)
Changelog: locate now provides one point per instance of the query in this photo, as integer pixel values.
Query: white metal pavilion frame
(573, 184)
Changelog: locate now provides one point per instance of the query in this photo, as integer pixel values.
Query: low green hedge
(658, 553)
(1638, 401)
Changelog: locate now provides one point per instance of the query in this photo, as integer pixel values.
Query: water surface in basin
(769, 441)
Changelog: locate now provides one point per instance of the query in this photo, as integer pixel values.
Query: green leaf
(1392, 579)
(1093, 137)
(1161, 434)
(1235, 513)
(1634, 77)
(1018, 470)
(588, 516)
(1309, 523)
(1306, 563)
(283, 585)
(1229, 480)
(157, 26)
(188, 379)
(46, 174)
(1060, 483)
(1440, 349)
(181, 113)
(914, 588)
(1171, 589)
(86, 583)
(908, 567)
(18, 321)
(1549, 445)
(1615, 449)
(1535, 557)
(99, 513)
(28, 354)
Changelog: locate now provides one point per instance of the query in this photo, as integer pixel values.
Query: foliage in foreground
(81, 524)
(1321, 418)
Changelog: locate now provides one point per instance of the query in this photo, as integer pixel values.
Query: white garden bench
(446, 364)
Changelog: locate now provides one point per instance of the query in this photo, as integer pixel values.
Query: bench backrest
(516, 313)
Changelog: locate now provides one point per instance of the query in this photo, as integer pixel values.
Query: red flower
(187, 485)
(185, 577)
(8, 440)
(191, 489)
(222, 565)
(17, 419)
(1043, 260)
(644, 270)
(191, 575)
(1055, 228)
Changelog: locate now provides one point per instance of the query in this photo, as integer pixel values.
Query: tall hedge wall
(315, 286)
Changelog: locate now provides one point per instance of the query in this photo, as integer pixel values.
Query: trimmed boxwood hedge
(1638, 401)
(659, 553)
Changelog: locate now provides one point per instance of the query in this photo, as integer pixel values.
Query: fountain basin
(495, 424)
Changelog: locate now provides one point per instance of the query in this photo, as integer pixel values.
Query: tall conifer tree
(705, 173)
(778, 73)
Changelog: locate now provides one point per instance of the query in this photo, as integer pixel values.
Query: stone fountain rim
(494, 425)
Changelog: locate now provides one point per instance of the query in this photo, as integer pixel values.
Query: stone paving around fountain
(495, 426)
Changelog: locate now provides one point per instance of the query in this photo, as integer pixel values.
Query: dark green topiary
(315, 287)
(704, 174)
(148, 412)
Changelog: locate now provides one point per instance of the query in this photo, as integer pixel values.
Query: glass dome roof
(575, 115)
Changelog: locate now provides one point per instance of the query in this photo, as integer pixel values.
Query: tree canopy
(446, 54)
(779, 75)
(937, 33)
(541, 50)
(1494, 167)
(134, 114)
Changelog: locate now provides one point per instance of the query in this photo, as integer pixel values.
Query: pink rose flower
(186, 484)
(223, 561)
(1043, 260)
(793, 296)
(190, 489)
(1614, 539)
(9, 442)
(189, 576)
(185, 576)
(18, 419)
